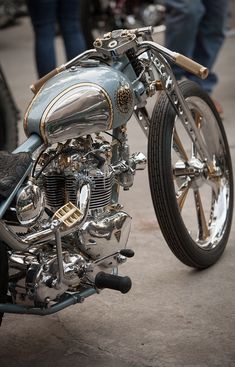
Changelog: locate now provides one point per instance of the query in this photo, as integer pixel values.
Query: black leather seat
(12, 168)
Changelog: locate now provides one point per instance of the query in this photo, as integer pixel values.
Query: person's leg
(43, 17)
(182, 20)
(69, 21)
(210, 38)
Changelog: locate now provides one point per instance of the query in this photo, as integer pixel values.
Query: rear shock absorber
(137, 65)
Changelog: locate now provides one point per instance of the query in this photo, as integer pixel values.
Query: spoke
(203, 232)
(178, 146)
(194, 150)
(182, 194)
(198, 121)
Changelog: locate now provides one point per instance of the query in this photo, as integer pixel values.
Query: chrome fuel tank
(79, 101)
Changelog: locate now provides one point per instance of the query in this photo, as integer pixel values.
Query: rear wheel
(194, 207)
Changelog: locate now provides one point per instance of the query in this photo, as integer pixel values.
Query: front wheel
(193, 206)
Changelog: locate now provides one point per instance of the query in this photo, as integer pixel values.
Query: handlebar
(146, 34)
(39, 83)
(191, 65)
(178, 59)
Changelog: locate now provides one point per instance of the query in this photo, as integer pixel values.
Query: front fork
(176, 98)
(181, 108)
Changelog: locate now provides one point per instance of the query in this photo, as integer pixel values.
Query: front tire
(193, 206)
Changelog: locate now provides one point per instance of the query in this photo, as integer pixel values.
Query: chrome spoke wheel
(209, 190)
(193, 201)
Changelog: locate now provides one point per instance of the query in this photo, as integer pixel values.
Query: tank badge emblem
(124, 98)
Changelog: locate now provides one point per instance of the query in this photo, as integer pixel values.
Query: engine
(74, 187)
(62, 180)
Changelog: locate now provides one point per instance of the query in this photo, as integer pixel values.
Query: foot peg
(127, 252)
(116, 282)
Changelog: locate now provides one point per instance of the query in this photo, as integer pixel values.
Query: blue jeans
(45, 15)
(196, 28)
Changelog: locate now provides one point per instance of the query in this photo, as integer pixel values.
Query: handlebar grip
(36, 86)
(190, 65)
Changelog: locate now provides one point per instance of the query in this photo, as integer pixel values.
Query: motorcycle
(63, 231)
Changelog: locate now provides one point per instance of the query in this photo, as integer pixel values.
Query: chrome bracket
(143, 119)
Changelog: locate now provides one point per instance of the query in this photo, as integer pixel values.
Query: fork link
(181, 108)
(136, 64)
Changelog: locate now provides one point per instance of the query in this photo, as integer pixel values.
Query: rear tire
(194, 207)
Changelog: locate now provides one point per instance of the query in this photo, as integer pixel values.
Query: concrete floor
(174, 316)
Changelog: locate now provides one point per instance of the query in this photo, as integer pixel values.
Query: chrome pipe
(71, 300)
(62, 278)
